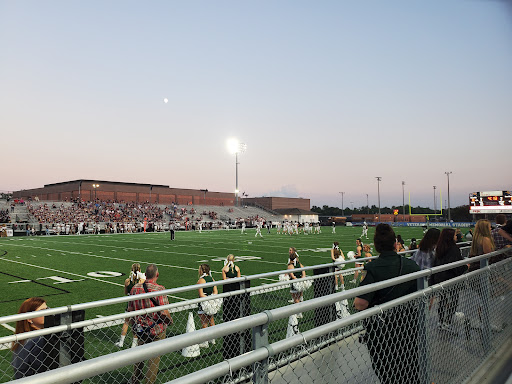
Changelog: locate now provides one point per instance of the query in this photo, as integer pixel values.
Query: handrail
(100, 365)
(173, 291)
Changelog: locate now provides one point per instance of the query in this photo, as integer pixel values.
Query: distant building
(88, 190)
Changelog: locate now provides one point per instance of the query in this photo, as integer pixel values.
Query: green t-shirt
(387, 266)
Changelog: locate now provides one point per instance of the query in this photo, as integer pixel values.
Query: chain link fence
(439, 334)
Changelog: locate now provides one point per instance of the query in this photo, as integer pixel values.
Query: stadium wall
(387, 218)
(128, 192)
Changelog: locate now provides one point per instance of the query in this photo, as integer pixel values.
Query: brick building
(133, 192)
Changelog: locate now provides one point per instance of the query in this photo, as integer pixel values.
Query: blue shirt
(28, 359)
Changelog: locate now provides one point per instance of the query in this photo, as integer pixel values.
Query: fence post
(260, 339)
(424, 371)
(486, 319)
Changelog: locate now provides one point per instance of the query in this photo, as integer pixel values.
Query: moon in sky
(166, 100)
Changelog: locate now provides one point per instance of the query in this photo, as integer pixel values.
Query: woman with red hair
(28, 355)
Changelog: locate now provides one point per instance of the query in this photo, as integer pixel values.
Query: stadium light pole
(378, 191)
(342, 193)
(367, 205)
(448, 173)
(235, 147)
(403, 200)
(435, 208)
(95, 186)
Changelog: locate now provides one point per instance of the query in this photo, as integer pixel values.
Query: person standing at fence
(482, 242)
(28, 355)
(152, 326)
(205, 277)
(447, 252)
(293, 262)
(501, 238)
(136, 277)
(425, 254)
(391, 337)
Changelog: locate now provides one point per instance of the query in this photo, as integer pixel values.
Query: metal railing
(327, 335)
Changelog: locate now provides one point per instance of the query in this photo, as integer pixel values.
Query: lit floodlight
(237, 191)
(233, 146)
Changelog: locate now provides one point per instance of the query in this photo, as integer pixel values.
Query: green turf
(57, 268)
(73, 257)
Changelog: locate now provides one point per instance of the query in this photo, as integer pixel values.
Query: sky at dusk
(327, 95)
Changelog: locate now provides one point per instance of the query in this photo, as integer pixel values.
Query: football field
(75, 269)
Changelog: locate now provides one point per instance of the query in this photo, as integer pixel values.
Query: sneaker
(212, 341)
(448, 328)
(119, 344)
(291, 301)
(335, 287)
(204, 345)
(353, 281)
(135, 342)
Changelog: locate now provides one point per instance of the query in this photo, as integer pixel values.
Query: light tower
(235, 147)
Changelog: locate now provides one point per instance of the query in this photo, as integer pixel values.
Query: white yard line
(157, 251)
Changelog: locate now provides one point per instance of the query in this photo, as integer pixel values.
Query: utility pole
(378, 192)
(403, 201)
(448, 173)
(435, 208)
(342, 193)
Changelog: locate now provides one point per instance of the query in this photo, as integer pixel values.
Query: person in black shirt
(391, 337)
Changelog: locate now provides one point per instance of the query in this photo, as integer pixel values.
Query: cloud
(284, 191)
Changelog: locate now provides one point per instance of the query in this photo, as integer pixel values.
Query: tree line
(460, 213)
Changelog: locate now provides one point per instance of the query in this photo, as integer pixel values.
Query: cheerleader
(205, 277)
(230, 270)
(293, 262)
(337, 255)
(136, 277)
(358, 255)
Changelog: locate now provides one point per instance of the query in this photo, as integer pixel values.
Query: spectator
(149, 327)
(458, 236)
(501, 238)
(447, 252)
(391, 337)
(28, 355)
(424, 256)
(483, 242)
(413, 245)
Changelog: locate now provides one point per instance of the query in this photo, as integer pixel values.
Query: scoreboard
(490, 202)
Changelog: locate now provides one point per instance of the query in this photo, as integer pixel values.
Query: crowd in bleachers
(4, 216)
(97, 211)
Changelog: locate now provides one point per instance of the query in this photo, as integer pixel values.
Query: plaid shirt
(499, 241)
(150, 320)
